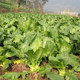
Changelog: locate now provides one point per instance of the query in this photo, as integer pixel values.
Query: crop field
(39, 47)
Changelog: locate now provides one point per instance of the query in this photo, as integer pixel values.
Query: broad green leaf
(13, 75)
(69, 59)
(54, 76)
(45, 70)
(6, 64)
(71, 76)
(37, 43)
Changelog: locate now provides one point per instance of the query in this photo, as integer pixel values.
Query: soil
(32, 76)
(36, 76)
(55, 70)
(78, 57)
(1, 71)
(3, 10)
(78, 75)
(43, 64)
(19, 68)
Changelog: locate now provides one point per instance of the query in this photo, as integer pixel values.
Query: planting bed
(39, 47)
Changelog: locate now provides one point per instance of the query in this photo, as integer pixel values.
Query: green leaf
(54, 76)
(37, 43)
(73, 31)
(44, 70)
(29, 37)
(1, 50)
(24, 47)
(13, 75)
(66, 38)
(65, 47)
(71, 76)
(69, 59)
(17, 38)
(6, 64)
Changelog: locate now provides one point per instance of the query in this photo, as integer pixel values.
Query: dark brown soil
(55, 70)
(19, 68)
(44, 63)
(36, 76)
(3, 10)
(78, 57)
(32, 76)
(1, 71)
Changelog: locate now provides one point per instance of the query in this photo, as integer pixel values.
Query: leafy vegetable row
(35, 38)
